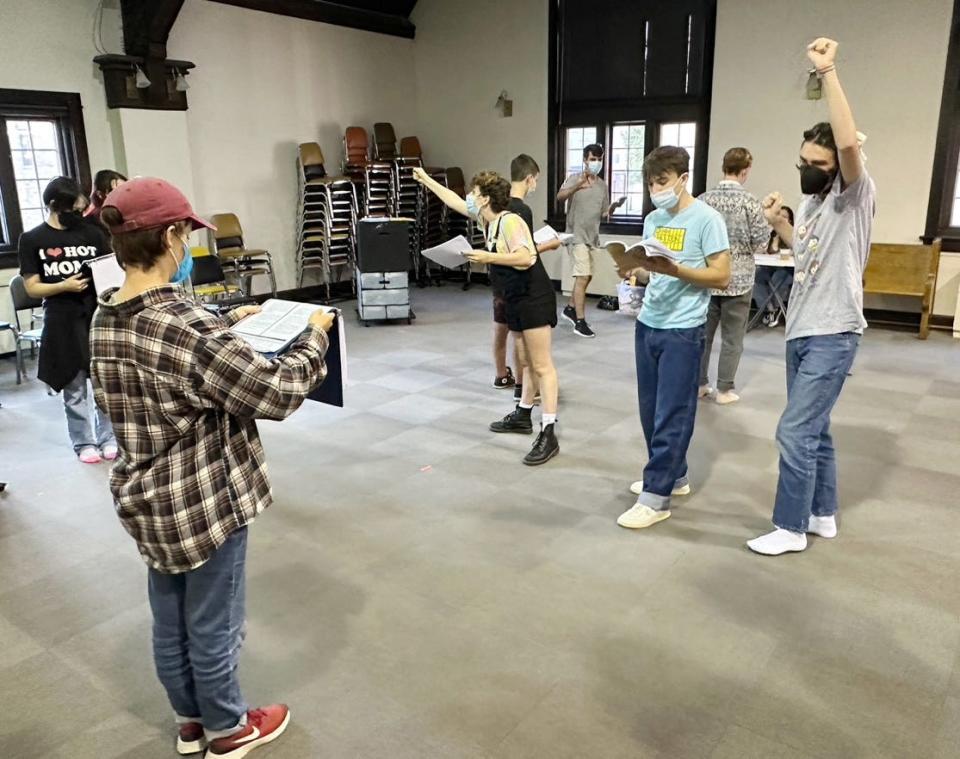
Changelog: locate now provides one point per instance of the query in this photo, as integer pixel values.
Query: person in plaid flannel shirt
(183, 393)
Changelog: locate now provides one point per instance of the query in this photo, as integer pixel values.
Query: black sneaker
(570, 314)
(517, 420)
(544, 449)
(582, 329)
(518, 392)
(505, 381)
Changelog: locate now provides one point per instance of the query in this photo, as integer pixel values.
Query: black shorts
(499, 309)
(530, 313)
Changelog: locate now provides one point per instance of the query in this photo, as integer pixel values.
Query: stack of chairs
(373, 179)
(326, 219)
(407, 195)
(457, 224)
(461, 225)
(433, 213)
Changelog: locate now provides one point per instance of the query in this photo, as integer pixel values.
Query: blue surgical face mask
(471, 201)
(594, 167)
(666, 199)
(185, 268)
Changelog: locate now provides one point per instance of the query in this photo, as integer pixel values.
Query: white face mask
(667, 199)
(594, 167)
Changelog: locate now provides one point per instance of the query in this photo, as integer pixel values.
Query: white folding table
(773, 260)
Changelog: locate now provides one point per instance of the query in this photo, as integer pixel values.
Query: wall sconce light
(142, 81)
(182, 85)
(814, 86)
(504, 104)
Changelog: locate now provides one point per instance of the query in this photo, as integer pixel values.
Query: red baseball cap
(149, 202)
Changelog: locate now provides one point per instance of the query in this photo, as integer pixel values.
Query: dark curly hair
(822, 134)
(492, 185)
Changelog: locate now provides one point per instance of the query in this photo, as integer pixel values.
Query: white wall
(466, 53)
(265, 83)
(891, 62)
(48, 45)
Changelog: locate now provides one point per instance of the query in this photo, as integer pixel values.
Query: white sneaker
(778, 542)
(109, 452)
(727, 396)
(705, 391)
(640, 516)
(637, 488)
(825, 527)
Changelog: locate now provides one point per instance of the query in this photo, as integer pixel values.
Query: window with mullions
(41, 137)
(626, 154)
(682, 135)
(577, 138)
(35, 152)
(641, 77)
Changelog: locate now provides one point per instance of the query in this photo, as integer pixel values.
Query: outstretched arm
(823, 54)
(448, 196)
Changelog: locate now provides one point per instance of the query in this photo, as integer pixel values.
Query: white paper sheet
(450, 253)
(548, 233)
(106, 273)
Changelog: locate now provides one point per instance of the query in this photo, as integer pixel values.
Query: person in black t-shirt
(530, 305)
(52, 258)
(524, 173)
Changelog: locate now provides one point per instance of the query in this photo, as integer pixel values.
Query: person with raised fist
(831, 243)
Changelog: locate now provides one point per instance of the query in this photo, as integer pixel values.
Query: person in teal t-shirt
(670, 328)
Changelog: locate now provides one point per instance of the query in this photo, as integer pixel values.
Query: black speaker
(383, 245)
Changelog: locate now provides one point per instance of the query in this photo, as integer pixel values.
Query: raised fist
(771, 207)
(822, 52)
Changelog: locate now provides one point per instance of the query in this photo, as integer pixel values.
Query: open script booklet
(631, 257)
(280, 323)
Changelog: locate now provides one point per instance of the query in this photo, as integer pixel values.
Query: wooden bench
(905, 270)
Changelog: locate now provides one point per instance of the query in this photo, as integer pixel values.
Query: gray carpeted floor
(416, 592)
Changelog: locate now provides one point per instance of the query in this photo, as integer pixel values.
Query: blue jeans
(816, 370)
(79, 407)
(768, 280)
(198, 629)
(668, 368)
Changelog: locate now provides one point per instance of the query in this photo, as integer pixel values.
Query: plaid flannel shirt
(183, 392)
(747, 230)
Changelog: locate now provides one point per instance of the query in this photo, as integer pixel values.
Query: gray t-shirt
(584, 209)
(831, 244)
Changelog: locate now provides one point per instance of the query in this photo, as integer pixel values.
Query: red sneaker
(263, 725)
(191, 740)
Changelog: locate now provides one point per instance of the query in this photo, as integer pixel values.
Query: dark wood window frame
(67, 110)
(604, 115)
(947, 152)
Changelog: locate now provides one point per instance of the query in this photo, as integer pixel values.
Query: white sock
(526, 406)
(549, 419)
(825, 527)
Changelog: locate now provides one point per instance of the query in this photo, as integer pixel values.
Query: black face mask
(814, 180)
(70, 219)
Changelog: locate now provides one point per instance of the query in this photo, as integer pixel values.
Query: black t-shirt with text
(58, 254)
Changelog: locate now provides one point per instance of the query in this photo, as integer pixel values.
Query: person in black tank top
(530, 310)
(524, 174)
